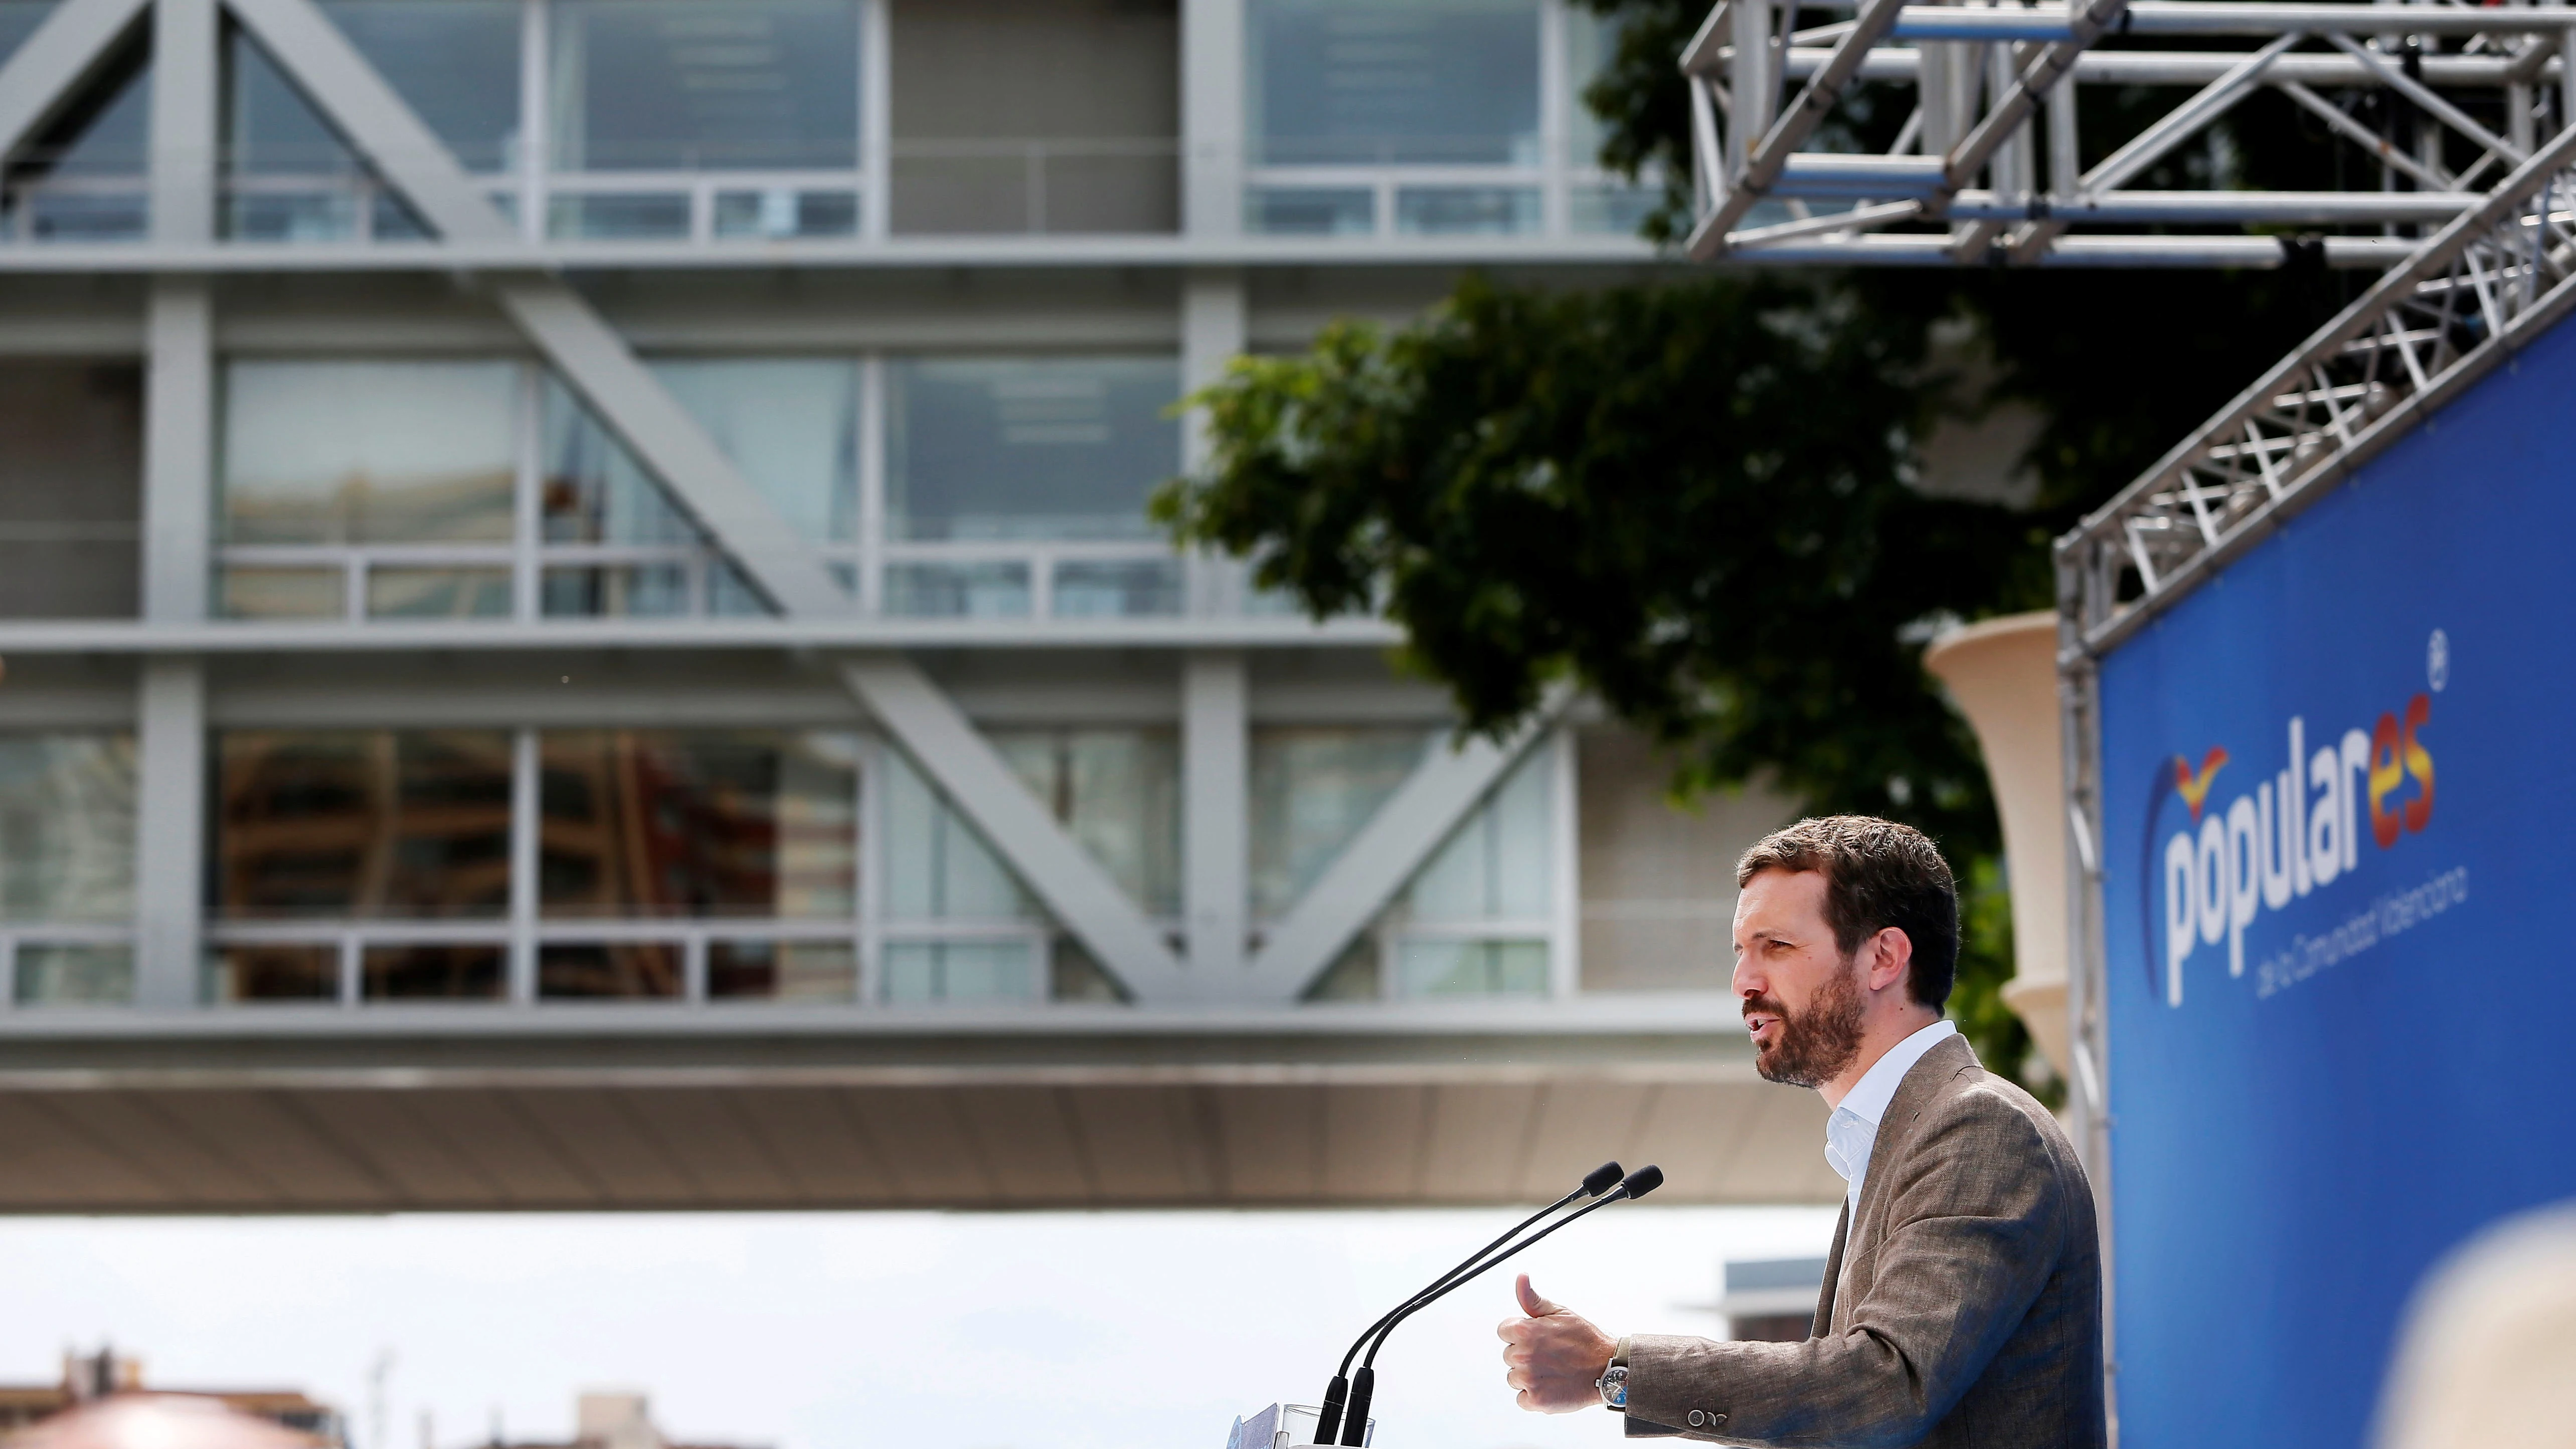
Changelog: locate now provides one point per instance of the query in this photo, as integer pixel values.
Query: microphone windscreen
(1643, 1181)
(1599, 1179)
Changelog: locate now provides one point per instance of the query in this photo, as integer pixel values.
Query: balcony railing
(1028, 186)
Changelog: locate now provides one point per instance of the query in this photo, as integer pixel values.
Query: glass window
(926, 971)
(623, 591)
(296, 971)
(75, 975)
(1471, 968)
(1119, 589)
(624, 971)
(271, 128)
(782, 971)
(705, 84)
(368, 452)
(1029, 448)
(456, 62)
(1591, 46)
(1310, 210)
(95, 147)
(595, 491)
(1118, 792)
(1466, 210)
(619, 216)
(361, 824)
(111, 139)
(786, 424)
(779, 211)
(937, 866)
(18, 20)
(1496, 869)
(433, 973)
(1611, 207)
(426, 593)
(1312, 789)
(957, 591)
(245, 592)
(790, 425)
(659, 823)
(1356, 82)
(66, 827)
(1496, 865)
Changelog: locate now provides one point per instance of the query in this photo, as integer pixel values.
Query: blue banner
(2340, 835)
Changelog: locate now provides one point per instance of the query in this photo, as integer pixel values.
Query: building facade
(598, 546)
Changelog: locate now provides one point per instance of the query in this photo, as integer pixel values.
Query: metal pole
(1749, 83)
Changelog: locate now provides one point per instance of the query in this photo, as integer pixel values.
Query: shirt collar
(1851, 1133)
(1877, 1087)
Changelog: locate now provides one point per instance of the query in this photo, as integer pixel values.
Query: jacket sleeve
(1975, 1232)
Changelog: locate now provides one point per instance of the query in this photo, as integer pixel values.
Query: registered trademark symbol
(2437, 661)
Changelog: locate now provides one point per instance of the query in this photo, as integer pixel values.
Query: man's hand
(1553, 1356)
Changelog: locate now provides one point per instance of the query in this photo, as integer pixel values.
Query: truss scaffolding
(2434, 103)
(2478, 291)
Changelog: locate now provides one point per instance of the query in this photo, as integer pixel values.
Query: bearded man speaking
(1962, 1304)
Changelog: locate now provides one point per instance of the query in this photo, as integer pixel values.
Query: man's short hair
(1877, 874)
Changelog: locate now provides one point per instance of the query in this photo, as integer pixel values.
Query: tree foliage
(1697, 498)
(1692, 500)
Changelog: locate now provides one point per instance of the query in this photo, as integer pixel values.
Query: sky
(835, 1331)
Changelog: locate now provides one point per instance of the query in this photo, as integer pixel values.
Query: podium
(1283, 1425)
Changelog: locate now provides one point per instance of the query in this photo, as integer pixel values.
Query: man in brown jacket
(1962, 1303)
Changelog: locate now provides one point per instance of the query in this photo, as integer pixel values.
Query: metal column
(178, 498)
(1212, 98)
(1215, 796)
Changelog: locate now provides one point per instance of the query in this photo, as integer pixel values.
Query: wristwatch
(1613, 1382)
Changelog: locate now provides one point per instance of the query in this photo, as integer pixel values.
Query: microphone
(1595, 1182)
(1364, 1383)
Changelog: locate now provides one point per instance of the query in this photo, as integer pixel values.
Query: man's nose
(1746, 981)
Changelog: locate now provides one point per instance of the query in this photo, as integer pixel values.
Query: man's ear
(1891, 957)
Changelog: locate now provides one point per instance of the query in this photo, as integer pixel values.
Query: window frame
(870, 554)
(1553, 177)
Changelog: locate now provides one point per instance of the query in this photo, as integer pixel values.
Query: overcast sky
(834, 1331)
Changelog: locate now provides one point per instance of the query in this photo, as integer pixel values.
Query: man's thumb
(1531, 1303)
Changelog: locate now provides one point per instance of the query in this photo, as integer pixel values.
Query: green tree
(1698, 498)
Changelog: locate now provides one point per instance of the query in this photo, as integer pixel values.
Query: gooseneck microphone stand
(1338, 1391)
(1364, 1384)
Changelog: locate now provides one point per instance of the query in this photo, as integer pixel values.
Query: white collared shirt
(1853, 1129)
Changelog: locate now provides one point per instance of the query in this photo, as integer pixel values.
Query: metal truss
(2486, 285)
(1995, 94)
(48, 73)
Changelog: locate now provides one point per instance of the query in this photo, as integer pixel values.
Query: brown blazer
(1962, 1304)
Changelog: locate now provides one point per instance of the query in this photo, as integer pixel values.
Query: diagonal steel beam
(1387, 851)
(1074, 886)
(598, 364)
(57, 58)
(373, 118)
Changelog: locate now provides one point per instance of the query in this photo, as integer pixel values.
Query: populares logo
(2292, 834)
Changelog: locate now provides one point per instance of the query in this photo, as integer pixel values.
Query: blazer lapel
(1923, 1081)
(1824, 1323)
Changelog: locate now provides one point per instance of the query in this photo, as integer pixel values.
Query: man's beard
(1813, 1048)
